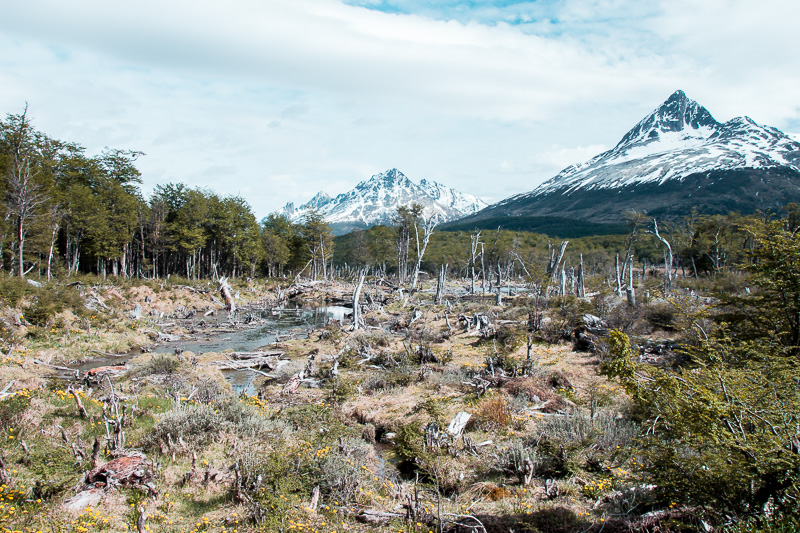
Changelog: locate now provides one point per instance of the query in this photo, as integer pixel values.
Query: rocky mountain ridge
(375, 201)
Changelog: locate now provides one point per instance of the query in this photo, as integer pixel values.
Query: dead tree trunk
(630, 290)
(581, 288)
(430, 224)
(619, 278)
(356, 307)
(225, 290)
(81, 408)
(667, 258)
(440, 286)
(555, 261)
(474, 241)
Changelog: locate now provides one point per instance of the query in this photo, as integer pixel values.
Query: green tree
(318, 240)
(722, 430)
(406, 219)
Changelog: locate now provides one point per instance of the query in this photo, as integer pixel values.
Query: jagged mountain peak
(389, 179)
(375, 201)
(679, 116)
(677, 153)
(318, 200)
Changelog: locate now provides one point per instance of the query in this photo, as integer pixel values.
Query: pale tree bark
(555, 260)
(630, 290)
(475, 241)
(56, 217)
(24, 199)
(667, 258)
(440, 285)
(225, 289)
(356, 306)
(428, 228)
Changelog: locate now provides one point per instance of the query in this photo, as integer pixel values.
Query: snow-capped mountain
(676, 158)
(375, 201)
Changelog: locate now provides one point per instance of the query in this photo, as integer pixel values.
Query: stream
(278, 323)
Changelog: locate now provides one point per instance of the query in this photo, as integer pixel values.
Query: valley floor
(348, 431)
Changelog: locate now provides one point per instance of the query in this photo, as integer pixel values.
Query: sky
(275, 100)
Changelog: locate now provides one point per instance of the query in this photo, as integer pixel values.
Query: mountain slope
(375, 201)
(675, 158)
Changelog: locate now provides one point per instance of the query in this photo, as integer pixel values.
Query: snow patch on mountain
(375, 201)
(677, 139)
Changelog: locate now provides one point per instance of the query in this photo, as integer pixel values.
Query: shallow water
(292, 321)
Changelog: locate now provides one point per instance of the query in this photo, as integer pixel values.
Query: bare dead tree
(428, 226)
(440, 285)
(581, 287)
(24, 198)
(667, 258)
(634, 220)
(555, 260)
(356, 307)
(630, 290)
(475, 241)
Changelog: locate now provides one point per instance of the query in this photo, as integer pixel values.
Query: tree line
(64, 211)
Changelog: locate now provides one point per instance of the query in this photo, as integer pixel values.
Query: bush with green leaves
(722, 429)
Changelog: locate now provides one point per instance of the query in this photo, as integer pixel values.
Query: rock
(84, 499)
(34, 283)
(593, 322)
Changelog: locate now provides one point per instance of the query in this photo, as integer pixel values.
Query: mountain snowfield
(674, 160)
(679, 138)
(375, 201)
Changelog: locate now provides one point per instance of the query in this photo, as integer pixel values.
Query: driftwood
(270, 362)
(95, 375)
(38, 362)
(301, 377)
(457, 425)
(5, 392)
(108, 354)
(371, 516)
(81, 408)
(253, 355)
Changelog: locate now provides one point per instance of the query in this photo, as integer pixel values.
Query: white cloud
(277, 100)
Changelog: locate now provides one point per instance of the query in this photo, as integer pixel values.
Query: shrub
(389, 379)
(536, 389)
(660, 315)
(493, 412)
(200, 424)
(158, 364)
(516, 459)
(570, 443)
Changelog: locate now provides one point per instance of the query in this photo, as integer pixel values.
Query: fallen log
(370, 516)
(257, 362)
(38, 362)
(252, 355)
